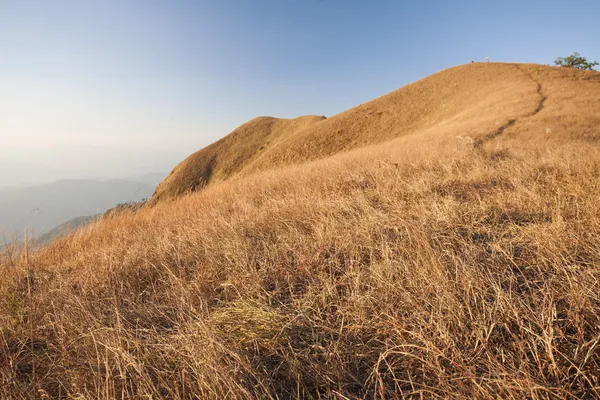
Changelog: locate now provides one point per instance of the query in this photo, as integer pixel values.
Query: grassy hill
(474, 100)
(448, 247)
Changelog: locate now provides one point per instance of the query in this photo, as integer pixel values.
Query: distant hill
(23, 166)
(472, 100)
(43, 207)
(20, 174)
(63, 229)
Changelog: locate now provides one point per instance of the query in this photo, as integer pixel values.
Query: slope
(437, 264)
(230, 155)
(473, 100)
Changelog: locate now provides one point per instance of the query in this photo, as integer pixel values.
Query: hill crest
(476, 101)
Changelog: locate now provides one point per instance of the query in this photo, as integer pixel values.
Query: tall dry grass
(423, 268)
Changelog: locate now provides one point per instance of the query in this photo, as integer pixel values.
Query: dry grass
(452, 272)
(430, 266)
(469, 100)
(230, 155)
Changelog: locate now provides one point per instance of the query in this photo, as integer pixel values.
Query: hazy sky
(177, 75)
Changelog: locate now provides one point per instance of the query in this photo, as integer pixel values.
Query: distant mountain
(20, 174)
(62, 229)
(43, 207)
(36, 166)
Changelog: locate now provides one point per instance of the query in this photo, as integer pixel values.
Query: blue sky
(178, 75)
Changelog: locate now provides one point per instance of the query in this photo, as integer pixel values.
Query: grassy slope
(458, 264)
(229, 155)
(471, 100)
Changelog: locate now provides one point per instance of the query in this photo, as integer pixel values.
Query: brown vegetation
(229, 155)
(471, 100)
(446, 263)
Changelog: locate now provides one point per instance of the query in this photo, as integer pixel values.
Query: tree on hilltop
(575, 61)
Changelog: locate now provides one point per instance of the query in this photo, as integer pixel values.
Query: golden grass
(439, 270)
(469, 100)
(229, 155)
(430, 266)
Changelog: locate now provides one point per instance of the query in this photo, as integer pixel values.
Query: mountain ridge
(473, 100)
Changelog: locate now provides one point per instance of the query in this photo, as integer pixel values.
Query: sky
(163, 79)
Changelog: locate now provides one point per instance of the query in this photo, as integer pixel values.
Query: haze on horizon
(27, 166)
(105, 89)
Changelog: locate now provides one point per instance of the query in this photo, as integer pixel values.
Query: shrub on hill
(576, 61)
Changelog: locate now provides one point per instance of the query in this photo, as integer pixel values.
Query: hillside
(448, 247)
(230, 155)
(474, 100)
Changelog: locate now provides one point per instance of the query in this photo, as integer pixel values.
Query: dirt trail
(479, 142)
(543, 97)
